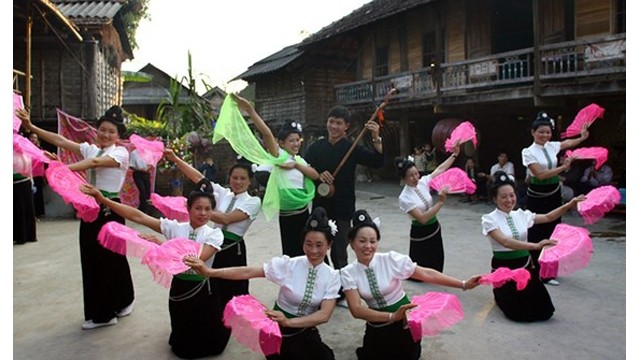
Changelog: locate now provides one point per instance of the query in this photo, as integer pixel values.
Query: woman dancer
(426, 246)
(377, 278)
(544, 192)
(106, 278)
(297, 310)
(507, 229)
(294, 178)
(235, 211)
(192, 305)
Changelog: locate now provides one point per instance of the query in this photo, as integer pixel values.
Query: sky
(226, 37)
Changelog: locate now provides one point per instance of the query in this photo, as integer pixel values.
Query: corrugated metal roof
(272, 62)
(89, 9)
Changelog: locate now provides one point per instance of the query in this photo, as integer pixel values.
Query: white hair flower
(334, 227)
(377, 222)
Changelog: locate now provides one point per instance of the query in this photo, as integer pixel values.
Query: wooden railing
(572, 59)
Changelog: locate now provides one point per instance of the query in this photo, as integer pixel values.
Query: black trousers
(143, 183)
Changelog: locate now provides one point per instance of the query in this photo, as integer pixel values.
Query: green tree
(132, 12)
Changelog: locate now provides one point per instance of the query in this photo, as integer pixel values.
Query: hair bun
(361, 217)
(114, 113)
(205, 186)
(319, 221)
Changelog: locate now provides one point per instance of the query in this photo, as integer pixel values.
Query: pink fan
(599, 201)
(67, 184)
(35, 154)
(456, 179)
(599, 154)
(21, 162)
(165, 260)
(572, 252)
(17, 104)
(586, 115)
(503, 274)
(250, 326)
(463, 132)
(124, 240)
(173, 207)
(436, 311)
(150, 151)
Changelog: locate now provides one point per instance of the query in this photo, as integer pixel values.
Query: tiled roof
(272, 62)
(77, 9)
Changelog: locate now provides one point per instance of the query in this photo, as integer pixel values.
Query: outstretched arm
(189, 171)
(126, 211)
(435, 277)
(48, 136)
(559, 211)
(571, 143)
(269, 139)
(229, 273)
(447, 163)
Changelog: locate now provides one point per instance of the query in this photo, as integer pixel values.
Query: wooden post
(537, 68)
(27, 88)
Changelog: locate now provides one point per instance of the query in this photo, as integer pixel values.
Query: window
(382, 61)
(428, 49)
(621, 13)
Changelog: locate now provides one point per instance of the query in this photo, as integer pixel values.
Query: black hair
(542, 119)
(500, 179)
(198, 193)
(361, 219)
(246, 165)
(114, 115)
(318, 221)
(340, 111)
(403, 165)
(289, 127)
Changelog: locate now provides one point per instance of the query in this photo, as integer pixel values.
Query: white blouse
(172, 229)
(389, 269)
(534, 155)
(107, 178)
(409, 198)
(292, 274)
(246, 203)
(295, 177)
(522, 219)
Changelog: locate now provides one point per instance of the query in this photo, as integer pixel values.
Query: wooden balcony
(581, 60)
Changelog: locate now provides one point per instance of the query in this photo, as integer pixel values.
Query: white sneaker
(89, 325)
(552, 282)
(126, 311)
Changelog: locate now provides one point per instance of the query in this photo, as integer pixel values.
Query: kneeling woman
(308, 289)
(507, 230)
(192, 304)
(377, 279)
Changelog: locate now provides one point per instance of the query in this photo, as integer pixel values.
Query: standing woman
(106, 278)
(192, 304)
(426, 246)
(544, 191)
(507, 232)
(294, 178)
(377, 278)
(308, 290)
(235, 211)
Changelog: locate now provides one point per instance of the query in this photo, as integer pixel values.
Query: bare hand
(546, 242)
(472, 282)
(24, 116)
(51, 155)
(150, 237)
(374, 127)
(276, 316)
(195, 263)
(456, 148)
(170, 155)
(577, 199)
(401, 313)
(90, 190)
(289, 165)
(326, 177)
(584, 132)
(243, 104)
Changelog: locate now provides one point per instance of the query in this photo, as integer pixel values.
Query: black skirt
(392, 341)
(194, 318)
(302, 344)
(291, 226)
(426, 247)
(106, 277)
(542, 205)
(24, 217)
(530, 304)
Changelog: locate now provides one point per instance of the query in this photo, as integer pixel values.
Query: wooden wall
(593, 17)
(455, 31)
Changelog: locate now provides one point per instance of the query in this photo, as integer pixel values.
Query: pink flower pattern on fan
(27, 148)
(456, 179)
(586, 115)
(250, 326)
(165, 260)
(503, 274)
(572, 252)
(150, 150)
(17, 104)
(172, 207)
(66, 183)
(599, 201)
(436, 311)
(21, 162)
(597, 153)
(124, 240)
(463, 132)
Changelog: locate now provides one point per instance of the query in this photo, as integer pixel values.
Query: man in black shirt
(324, 155)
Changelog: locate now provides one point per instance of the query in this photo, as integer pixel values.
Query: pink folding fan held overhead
(165, 260)
(572, 252)
(436, 311)
(150, 150)
(586, 116)
(17, 104)
(172, 207)
(66, 183)
(250, 326)
(599, 201)
(463, 132)
(597, 153)
(21, 162)
(36, 155)
(503, 274)
(456, 179)
(124, 240)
